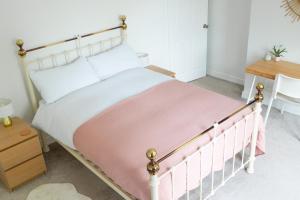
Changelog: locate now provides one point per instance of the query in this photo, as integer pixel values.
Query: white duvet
(61, 118)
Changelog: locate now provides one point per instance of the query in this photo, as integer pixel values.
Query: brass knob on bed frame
(123, 19)
(22, 51)
(259, 95)
(152, 166)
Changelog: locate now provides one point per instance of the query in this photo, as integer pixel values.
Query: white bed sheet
(61, 119)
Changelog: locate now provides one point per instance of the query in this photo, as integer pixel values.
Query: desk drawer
(25, 172)
(19, 153)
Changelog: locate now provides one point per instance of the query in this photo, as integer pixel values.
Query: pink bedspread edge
(162, 117)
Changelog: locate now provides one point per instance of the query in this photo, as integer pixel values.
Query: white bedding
(62, 118)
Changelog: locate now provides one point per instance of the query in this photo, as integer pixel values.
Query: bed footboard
(247, 162)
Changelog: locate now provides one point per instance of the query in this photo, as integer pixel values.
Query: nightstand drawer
(24, 172)
(19, 153)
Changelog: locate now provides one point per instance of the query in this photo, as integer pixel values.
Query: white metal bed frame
(67, 56)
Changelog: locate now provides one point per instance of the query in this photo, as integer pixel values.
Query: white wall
(39, 21)
(269, 26)
(228, 38)
(241, 32)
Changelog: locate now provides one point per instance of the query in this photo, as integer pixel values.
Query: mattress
(61, 118)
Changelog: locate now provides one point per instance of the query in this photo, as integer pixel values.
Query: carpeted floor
(276, 177)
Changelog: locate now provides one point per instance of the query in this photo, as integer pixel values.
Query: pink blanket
(161, 117)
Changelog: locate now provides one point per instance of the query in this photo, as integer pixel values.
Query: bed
(188, 133)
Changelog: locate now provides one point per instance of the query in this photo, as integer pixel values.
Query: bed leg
(153, 168)
(259, 98)
(46, 148)
(44, 143)
(154, 187)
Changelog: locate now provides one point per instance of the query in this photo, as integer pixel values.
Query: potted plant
(278, 52)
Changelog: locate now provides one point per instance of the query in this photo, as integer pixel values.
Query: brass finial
(259, 95)
(123, 19)
(20, 43)
(152, 166)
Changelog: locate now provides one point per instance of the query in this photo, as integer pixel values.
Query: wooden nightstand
(162, 71)
(21, 157)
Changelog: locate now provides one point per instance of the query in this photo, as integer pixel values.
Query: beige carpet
(276, 174)
(63, 191)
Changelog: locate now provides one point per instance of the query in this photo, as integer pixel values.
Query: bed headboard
(62, 52)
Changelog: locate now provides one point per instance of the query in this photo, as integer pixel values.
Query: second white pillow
(116, 60)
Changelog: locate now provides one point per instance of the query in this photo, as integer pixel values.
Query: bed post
(22, 54)
(258, 98)
(153, 168)
(123, 28)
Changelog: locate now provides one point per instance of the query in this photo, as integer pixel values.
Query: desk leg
(251, 89)
(282, 108)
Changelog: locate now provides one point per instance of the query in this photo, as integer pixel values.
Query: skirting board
(190, 75)
(225, 76)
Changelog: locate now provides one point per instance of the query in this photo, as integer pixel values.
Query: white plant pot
(277, 59)
(268, 57)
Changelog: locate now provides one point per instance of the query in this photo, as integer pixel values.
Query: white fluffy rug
(64, 191)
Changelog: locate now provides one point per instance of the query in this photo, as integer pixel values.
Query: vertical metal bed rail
(244, 141)
(153, 165)
(215, 131)
(172, 182)
(187, 178)
(224, 158)
(201, 180)
(234, 150)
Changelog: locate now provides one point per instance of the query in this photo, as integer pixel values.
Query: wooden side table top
(19, 132)
(269, 69)
(161, 70)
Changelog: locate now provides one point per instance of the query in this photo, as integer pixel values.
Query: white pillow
(57, 82)
(111, 62)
